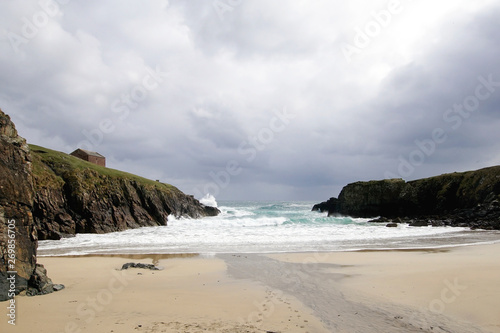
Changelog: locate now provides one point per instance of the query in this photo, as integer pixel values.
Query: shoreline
(169, 255)
(345, 291)
(111, 246)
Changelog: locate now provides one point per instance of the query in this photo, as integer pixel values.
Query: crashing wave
(209, 200)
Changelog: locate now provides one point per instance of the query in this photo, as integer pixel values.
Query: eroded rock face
(16, 199)
(70, 200)
(470, 199)
(47, 201)
(18, 234)
(374, 198)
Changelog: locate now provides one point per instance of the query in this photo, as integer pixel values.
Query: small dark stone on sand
(140, 265)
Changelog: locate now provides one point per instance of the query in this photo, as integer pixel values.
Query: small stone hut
(90, 156)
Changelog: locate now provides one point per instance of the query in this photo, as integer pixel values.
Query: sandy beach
(440, 290)
(191, 294)
(429, 289)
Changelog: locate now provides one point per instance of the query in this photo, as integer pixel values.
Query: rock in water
(331, 205)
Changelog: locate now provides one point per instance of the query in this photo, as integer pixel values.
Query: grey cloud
(226, 79)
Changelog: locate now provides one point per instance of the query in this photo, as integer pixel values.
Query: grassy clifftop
(49, 165)
(75, 196)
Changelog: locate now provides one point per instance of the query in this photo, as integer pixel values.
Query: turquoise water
(264, 227)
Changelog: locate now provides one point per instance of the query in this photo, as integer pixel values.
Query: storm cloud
(253, 99)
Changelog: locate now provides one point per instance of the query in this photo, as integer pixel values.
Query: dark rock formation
(139, 265)
(18, 238)
(331, 205)
(41, 284)
(470, 199)
(419, 223)
(74, 196)
(368, 199)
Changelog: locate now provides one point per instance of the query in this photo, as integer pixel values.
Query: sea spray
(209, 200)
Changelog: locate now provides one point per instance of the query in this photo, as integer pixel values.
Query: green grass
(49, 164)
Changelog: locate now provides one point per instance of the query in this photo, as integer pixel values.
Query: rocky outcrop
(368, 199)
(18, 238)
(74, 196)
(40, 283)
(458, 199)
(331, 205)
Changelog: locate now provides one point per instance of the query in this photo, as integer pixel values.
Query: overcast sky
(255, 99)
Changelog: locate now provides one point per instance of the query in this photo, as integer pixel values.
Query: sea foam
(263, 227)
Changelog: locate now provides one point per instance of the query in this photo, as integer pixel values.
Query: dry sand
(188, 295)
(455, 290)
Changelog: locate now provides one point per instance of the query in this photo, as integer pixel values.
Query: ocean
(264, 227)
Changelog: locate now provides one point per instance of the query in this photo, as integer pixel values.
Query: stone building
(90, 156)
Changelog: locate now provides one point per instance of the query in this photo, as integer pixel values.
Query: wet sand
(433, 290)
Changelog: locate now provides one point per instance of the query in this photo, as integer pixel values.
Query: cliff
(458, 199)
(46, 194)
(75, 196)
(18, 237)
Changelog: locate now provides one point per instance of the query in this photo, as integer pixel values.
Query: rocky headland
(45, 194)
(465, 199)
(74, 196)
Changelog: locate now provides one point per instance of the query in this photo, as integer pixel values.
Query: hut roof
(90, 153)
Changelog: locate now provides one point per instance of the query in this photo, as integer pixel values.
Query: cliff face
(374, 198)
(47, 194)
(463, 199)
(17, 229)
(74, 196)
